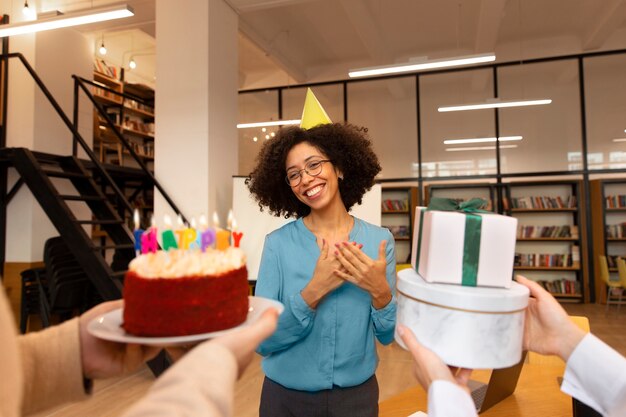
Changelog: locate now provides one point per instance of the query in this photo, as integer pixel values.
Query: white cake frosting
(179, 263)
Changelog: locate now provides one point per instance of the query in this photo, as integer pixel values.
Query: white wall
(32, 123)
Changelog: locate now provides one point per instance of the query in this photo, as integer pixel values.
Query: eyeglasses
(312, 168)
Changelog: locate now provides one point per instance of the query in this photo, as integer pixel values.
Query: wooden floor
(394, 373)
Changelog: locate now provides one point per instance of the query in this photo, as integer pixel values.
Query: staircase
(38, 171)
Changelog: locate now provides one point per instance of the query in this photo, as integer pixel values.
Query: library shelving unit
(132, 109)
(398, 215)
(550, 236)
(608, 226)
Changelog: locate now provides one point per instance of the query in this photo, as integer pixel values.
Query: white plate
(109, 326)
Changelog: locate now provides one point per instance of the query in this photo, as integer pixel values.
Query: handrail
(73, 129)
(81, 82)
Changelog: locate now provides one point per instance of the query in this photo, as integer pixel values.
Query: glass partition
(605, 98)
(388, 109)
(329, 96)
(442, 153)
(551, 133)
(255, 107)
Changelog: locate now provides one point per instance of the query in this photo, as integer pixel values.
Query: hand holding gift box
(459, 243)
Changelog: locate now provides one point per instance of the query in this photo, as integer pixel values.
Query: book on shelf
(530, 232)
(575, 251)
(109, 70)
(535, 202)
(615, 201)
(616, 231)
(395, 205)
(561, 286)
(399, 231)
(542, 259)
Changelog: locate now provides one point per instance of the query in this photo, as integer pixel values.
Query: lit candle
(222, 237)
(208, 234)
(149, 242)
(188, 236)
(236, 235)
(169, 240)
(137, 232)
(180, 231)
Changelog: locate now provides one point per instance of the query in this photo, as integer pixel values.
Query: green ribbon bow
(471, 244)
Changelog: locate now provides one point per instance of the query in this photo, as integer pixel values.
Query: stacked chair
(63, 288)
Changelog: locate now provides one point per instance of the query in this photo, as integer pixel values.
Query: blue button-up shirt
(333, 345)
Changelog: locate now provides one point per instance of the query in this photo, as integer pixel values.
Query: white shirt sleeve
(596, 375)
(446, 399)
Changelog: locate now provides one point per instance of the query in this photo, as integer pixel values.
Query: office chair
(64, 288)
(610, 284)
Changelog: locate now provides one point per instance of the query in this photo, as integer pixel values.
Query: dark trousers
(359, 401)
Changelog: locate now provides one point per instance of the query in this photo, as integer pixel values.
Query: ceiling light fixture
(82, 17)
(422, 65)
(481, 140)
(619, 140)
(479, 148)
(103, 49)
(272, 123)
(28, 12)
(494, 103)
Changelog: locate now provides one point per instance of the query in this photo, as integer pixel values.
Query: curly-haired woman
(333, 272)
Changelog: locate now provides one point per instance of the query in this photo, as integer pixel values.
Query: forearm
(52, 367)
(381, 297)
(294, 324)
(200, 384)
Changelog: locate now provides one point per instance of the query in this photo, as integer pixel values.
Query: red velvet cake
(180, 293)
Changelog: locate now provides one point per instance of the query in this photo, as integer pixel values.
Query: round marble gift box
(469, 327)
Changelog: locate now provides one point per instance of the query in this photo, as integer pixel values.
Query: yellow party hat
(313, 113)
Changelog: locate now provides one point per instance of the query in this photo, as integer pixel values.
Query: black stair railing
(79, 139)
(83, 83)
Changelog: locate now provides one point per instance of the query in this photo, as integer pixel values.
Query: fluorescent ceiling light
(422, 65)
(479, 148)
(619, 140)
(272, 123)
(492, 104)
(83, 17)
(481, 140)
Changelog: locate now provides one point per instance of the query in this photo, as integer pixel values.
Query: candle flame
(234, 225)
(136, 218)
(216, 220)
(203, 222)
(179, 221)
(229, 220)
(193, 223)
(167, 220)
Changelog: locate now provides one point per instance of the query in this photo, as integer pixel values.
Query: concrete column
(196, 106)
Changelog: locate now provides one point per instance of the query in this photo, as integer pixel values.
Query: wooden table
(537, 394)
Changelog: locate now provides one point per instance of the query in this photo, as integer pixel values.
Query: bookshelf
(131, 107)
(486, 191)
(398, 215)
(550, 239)
(608, 226)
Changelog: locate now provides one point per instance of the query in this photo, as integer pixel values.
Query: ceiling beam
(487, 29)
(248, 6)
(295, 71)
(609, 18)
(366, 27)
(488, 25)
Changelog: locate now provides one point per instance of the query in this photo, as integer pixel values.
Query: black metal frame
(498, 176)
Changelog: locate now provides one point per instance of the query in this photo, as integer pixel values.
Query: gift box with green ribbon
(460, 243)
